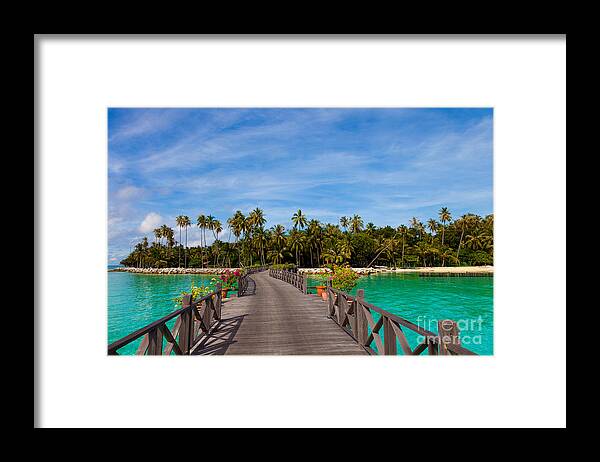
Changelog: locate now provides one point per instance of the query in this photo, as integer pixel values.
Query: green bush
(344, 278)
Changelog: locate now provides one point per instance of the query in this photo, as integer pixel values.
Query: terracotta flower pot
(320, 290)
(324, 295)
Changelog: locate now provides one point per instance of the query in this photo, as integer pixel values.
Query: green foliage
(478, 257)
(439, 241)
(344, 278)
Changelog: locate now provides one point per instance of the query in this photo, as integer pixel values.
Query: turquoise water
(135, 300)
(425, 300)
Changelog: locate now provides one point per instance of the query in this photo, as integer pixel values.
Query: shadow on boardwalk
(223, 333)
(220, 338)
(275, 318)
(251, 288)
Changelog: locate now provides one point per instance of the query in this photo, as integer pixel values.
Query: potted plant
(321, 289)
(228, 280)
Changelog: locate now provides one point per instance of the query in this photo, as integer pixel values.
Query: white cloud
(152, 220)
(129, 192)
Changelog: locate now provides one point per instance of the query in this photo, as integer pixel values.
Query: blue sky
(387, 165)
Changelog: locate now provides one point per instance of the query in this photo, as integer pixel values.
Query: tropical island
(443, 241)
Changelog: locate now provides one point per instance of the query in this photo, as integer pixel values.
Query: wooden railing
(193, 321)
(356, 316)
(296, 279)
(243, 280)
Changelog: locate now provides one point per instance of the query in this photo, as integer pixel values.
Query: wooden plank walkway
(275, 318)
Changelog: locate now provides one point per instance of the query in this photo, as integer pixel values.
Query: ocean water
(425, 300)
(135, 300)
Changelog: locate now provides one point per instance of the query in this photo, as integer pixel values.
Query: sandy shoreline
(424, 270)
(362, 271)
(171, 270)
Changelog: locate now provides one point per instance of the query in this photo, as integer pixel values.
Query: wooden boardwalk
(274, 318)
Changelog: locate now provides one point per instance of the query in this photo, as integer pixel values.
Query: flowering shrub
(197, 291)
(230, 278)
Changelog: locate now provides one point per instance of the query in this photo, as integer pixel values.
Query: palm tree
(445, 217)
(247, 227)
(327, 242)
(236, 223)
(356, 224)
(433, 226)
(144, 250)
(278, 236)
(261, 240)
(210, 223)
(217, 229)
(296, 244)
(337, 252)
(179, 220)
(185, 222)
(344, 223)
(257, 217)
(391, 250)
(278, 255)
(403, 231)
(345, 247)
(479, 240)
(332, 255)
(168, 234)
(255, 220)
(464, 222)
(202, 223)
(314, 239)
(488, 223)
(299, 220)
(417, 227)
(157, 234)
(447, 254)
(422, 251)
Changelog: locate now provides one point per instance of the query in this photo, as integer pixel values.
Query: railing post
(341, 311)
(362, 331)
(352, 316)
(389, 337)
(219, 302)
(304, 284)
(184, 330)
(155, 342)
(329, 298)
(448, 333)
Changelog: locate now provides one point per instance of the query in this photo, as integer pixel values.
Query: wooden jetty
(273, 314)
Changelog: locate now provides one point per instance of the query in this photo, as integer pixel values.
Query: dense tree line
(442, 241)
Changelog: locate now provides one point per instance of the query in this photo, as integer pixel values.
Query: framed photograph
(303, 215)
(305, 221)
